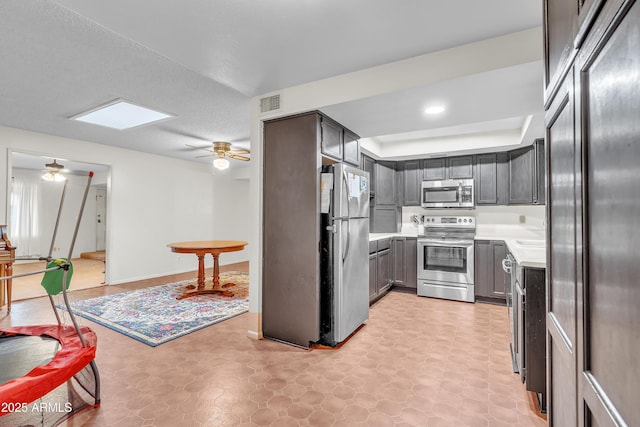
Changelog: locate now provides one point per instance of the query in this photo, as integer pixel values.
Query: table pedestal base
(216, 290)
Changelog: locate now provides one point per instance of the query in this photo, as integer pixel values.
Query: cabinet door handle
(506, 265)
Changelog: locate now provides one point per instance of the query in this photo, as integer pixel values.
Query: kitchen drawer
(373, 246)
(383, 244)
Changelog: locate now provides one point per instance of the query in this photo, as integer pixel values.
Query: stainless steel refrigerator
(344, 252)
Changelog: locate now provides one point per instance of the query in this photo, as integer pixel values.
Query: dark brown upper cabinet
(460, 167)
(492, 179)
(434, 169)
(338, 143)
(331, 138)
(351, 148)
(566, 22)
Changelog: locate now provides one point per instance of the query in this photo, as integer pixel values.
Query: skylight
(121, 115)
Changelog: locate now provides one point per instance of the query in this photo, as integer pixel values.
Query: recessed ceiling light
(436, 109)
(120, 115)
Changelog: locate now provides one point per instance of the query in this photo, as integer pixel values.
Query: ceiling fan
(53, 172)
(222, 150)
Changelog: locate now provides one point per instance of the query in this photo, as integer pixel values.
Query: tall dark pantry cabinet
(592, 102)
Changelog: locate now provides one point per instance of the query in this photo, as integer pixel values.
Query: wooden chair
(7, 255)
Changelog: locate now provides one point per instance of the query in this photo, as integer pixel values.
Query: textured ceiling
(202, 60)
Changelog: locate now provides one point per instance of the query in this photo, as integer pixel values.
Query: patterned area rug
(155, 315)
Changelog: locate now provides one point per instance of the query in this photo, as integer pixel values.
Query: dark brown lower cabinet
(373, 276)
(490, 279)
(535, 357)
(405, 262)
(384, 271)
(380, 268)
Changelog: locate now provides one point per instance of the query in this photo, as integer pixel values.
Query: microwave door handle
(460, 193)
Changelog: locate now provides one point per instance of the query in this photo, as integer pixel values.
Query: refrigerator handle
(346, 188)
(346, 192)
(346, 248)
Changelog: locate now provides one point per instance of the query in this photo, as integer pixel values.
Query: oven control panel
(449, 221)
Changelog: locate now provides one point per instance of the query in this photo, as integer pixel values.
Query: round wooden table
(215, 248)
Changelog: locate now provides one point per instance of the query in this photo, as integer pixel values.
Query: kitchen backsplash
(532, 216)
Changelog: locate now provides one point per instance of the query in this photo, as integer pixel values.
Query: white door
(101, 218)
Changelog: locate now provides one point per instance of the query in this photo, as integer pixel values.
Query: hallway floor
(416, 362)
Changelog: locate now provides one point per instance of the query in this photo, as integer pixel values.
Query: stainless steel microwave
(452, 193)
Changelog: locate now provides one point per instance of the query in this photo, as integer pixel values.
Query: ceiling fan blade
(199, 148)
(206, 155)
(241, 151)
(237, 157)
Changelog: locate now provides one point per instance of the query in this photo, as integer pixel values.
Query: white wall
(533, 216)
(152, 200)
(231, 211)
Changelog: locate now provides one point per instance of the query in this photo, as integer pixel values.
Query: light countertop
(526, 243)
(380, 236)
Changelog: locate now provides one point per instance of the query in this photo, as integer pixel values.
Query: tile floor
(417, 362)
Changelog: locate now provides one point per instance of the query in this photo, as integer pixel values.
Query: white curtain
(24, 223)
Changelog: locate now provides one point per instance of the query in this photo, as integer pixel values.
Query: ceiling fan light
(53, 177)
(221, 163)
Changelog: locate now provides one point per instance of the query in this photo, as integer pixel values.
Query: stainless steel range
(445, 258)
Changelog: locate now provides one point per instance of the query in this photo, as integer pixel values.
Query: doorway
(34, 204)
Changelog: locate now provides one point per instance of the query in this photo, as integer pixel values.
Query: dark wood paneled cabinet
(489, 277)
(405, 260)
(380, 268)
(386, 213)
(385, 177)
(291, 155)
(521, 182)
(514, 177)
(460, 167)
(526, 175)
(338, 143)
(331, 138)
(291, 218)
(384, 271)
(351, 148)
(368, 164)
(412, 181)
(592, 132)
(492, 179)
(373, 276)
(535, 348)
(434, 169)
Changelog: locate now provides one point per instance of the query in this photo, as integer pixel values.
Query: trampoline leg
(96, 374)
(55, 311)
(68, 305)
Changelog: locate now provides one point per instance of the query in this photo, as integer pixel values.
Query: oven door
(446, 260)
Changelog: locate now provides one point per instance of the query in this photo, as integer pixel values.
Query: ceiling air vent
(270, 103)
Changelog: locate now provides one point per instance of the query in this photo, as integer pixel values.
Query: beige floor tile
(417, 362)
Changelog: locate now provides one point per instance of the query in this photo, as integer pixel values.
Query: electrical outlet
(523, 219)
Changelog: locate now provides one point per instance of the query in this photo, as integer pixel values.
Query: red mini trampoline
(48, 372)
